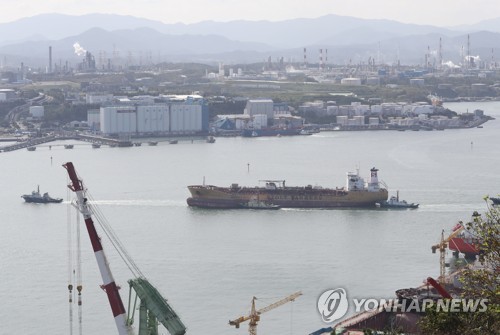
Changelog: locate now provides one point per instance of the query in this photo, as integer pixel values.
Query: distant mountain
(486, 25)
(59, 26)
(131, 40)
(288, 33)
(139, 46)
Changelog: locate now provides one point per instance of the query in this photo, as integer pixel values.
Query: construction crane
(153, 308)
(442, 245)
(254, 315)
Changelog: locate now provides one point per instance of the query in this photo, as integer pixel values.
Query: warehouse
(172, 117)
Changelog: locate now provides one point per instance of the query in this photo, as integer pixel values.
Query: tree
(480, 281)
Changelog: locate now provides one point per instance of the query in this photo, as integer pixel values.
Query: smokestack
(440, 65)
(320, 59)
(50, 59)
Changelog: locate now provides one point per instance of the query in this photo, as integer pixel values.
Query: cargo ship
(356, 193)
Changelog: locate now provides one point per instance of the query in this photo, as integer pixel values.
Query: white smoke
(79, 50)
(474, 58)
(451, 65)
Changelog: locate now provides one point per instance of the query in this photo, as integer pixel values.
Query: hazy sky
(434, 12)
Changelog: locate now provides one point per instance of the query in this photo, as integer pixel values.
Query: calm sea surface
(210, 263)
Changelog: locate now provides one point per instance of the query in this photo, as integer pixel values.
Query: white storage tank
(351, 81)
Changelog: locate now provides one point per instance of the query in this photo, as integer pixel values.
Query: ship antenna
(203, 180)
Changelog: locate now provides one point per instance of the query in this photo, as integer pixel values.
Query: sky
(443, 13)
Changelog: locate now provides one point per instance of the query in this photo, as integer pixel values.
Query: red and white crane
(109, 284)
(154, 308)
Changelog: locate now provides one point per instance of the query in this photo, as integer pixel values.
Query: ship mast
(109, 285)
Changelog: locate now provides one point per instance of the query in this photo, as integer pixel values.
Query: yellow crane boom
(254, 315)
(442, 247)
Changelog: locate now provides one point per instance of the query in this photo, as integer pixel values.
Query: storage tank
(351, 81)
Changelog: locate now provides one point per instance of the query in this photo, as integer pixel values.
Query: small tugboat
(31, 148)
(258, 204)
(96, 145)
(210, 139)
(394, 202)
(68, 146)
(36, 197)
(152, 143)
(137, 144)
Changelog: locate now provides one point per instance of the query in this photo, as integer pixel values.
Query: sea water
(210, 263)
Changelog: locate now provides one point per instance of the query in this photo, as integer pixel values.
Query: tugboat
(31, 148)
(394, 202)
(152, 143)
(210, 139)
(36, 197)
(96, 145)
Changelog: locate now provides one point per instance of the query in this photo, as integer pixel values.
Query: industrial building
(171, 116)
(260, 106)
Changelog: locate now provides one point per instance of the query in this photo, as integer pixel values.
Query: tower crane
(442, 245)
(254, 315)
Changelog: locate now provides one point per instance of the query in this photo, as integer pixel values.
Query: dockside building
(167, 116)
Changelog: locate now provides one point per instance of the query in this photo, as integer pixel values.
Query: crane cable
(79, 285)
(74, 270)
(70, 263)
(108, 230)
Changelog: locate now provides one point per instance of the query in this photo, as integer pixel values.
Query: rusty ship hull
(288, 197)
